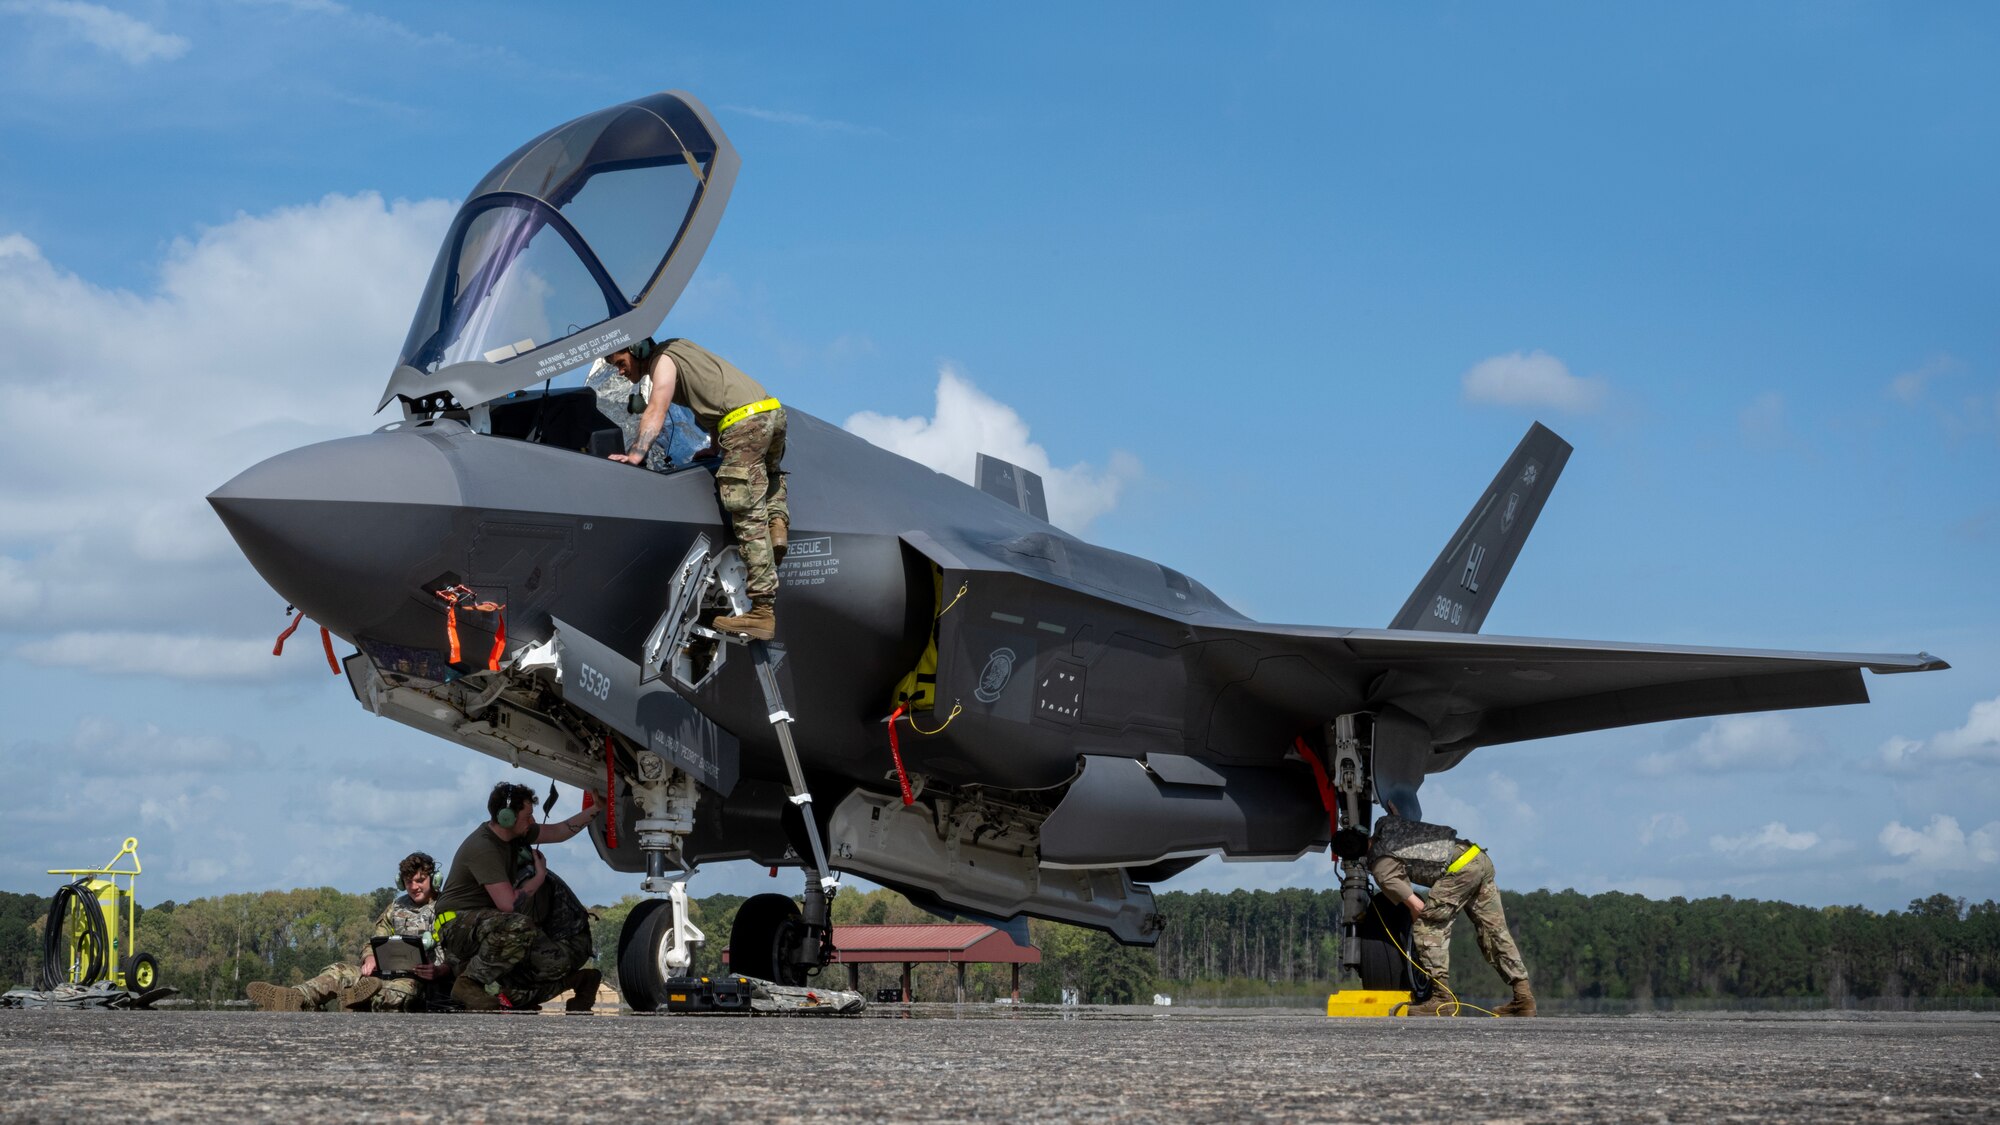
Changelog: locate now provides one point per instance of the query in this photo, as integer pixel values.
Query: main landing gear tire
(1384, 926)
(640, 941)
(766, 926)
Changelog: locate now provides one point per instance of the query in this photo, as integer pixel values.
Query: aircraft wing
(1482, 690)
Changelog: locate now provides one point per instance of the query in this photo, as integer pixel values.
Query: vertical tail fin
(1461, 585)
(1014, 484)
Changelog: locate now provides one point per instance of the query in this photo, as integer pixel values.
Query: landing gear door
(681, 647)
(606, 685)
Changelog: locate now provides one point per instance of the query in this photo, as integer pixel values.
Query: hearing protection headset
(510, 795)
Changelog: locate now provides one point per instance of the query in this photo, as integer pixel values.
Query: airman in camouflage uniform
(558, 953)
(750, 430)
(488, 914)
(680, 441)
(1461, 877)
(408, 915)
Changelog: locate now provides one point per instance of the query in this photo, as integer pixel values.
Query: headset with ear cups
(513, 795)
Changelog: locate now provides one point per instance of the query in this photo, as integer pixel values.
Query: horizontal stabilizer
(1012, 483)
(1461, 585)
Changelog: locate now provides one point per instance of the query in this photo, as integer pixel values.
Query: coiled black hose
(74, 899)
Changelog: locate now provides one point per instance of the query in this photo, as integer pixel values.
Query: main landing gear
(1375, 928)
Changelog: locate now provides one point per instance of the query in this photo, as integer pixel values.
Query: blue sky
(1269, 294)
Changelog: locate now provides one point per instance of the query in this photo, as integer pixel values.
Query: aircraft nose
(339, 528)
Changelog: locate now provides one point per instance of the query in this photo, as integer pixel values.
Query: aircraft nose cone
(339, 528)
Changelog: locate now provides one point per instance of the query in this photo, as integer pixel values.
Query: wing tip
(1921, 662)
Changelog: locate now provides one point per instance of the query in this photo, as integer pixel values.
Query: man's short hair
(508, 795)
(413, 863)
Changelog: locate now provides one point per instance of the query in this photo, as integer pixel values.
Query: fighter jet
(964, 702)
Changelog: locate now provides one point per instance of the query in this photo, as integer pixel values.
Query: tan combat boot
(1440, 1002)
(780, 539)
(1523, 1003)
(583, 986)
(473, 997)
(275, 997)
(760, 624)
(356, 999)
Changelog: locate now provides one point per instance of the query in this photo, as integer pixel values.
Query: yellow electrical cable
(963, 587)
(1456, 1003)
(955, 709)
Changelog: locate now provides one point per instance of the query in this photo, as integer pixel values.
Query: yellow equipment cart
(101, 917)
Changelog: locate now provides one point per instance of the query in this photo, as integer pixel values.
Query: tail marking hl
(1460, 587)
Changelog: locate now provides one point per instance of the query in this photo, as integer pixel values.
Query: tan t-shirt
(708, 384)
(483, 858)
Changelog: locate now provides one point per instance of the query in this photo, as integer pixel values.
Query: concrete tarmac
(936, 1063)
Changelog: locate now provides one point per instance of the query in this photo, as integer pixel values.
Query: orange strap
(326, 642)
(279, 648)
(463, 595)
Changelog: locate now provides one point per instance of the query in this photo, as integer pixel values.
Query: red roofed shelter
(958, 944)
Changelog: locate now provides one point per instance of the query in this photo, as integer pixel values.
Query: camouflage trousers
(561, 917)
(399, 995)
(529, 965)
(1470, 889)
(752, 489)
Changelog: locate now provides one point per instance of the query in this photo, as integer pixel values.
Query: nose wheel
(639, 943)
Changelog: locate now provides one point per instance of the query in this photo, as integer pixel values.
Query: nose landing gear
(773, 939)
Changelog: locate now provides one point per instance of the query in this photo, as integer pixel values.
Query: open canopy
(572, 248)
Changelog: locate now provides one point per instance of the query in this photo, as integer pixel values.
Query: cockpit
(573, 247)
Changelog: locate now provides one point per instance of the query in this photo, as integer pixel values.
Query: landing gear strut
(658, 941)
(1372, 925)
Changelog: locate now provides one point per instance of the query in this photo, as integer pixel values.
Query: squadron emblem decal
(993, 680)
(1513, 509)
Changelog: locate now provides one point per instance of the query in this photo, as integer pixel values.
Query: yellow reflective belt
(742, 412)
(437, 924)
(1471, 852)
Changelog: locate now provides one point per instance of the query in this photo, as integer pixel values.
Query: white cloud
(968, 423)
(262, 334)
(1942, 845)
(1663, 826)
(1899, 752)
(1443, 806)
(420, 804)
(1977, 740)
(1909, 386)
(1533, 379)
(111, 747)
(116, 33)
(1774, 838)
(1736, 742)
(177, 656)
(20, 591)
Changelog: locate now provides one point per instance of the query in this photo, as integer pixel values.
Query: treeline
(1618, 946)
(210, 948)
(1607, 946)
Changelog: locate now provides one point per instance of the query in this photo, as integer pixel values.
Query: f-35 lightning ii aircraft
(963, 702)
